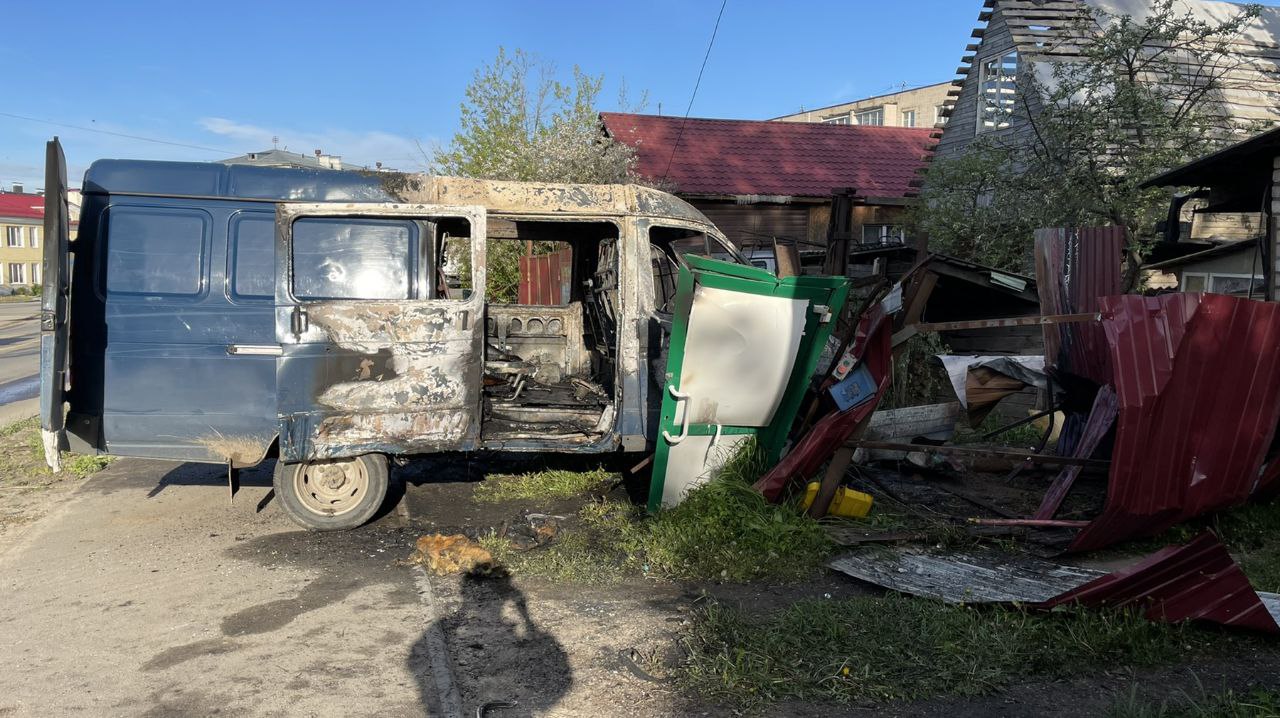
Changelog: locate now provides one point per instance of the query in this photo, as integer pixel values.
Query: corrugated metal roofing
(1074, 268)
(749, 157)
(1198, 380)
(1198, 581)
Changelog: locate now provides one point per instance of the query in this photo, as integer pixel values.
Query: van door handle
(298, 322)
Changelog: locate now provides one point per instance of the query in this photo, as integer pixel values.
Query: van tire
(333, 495)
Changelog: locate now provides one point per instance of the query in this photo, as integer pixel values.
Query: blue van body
(152, 372)
(186, 338)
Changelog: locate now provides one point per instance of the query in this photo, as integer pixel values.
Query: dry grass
(240, 450)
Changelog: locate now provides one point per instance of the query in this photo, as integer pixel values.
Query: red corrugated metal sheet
(1198, 380)
(873, 345)
(1198, 581)
(544, 279)
(1074, 269)
(802, 159)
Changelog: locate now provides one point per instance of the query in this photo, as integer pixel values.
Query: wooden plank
(914, 421)
(1044, 459)
(1009, 322)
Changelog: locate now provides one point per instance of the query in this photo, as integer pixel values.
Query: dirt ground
(141, 591)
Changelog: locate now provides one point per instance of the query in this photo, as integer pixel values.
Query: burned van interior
(550, 333)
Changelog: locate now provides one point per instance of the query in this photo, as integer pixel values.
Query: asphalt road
(19, 360)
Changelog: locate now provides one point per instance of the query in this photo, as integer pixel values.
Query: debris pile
(1152, 410)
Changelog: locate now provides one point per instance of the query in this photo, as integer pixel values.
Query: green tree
(521, 123)
(1143, 94)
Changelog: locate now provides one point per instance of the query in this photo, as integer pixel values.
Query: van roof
(216, 180)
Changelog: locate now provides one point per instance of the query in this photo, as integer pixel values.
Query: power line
(689, 109)
(113, 134)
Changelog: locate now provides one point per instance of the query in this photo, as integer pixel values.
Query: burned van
(332, 319)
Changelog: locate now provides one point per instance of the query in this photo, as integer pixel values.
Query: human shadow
(503, 663)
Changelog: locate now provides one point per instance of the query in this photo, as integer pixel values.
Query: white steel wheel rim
(331, 488)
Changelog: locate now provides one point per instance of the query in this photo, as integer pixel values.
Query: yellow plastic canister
(846, 502)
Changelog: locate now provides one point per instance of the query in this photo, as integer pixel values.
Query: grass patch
(596, 550)
(907, 648)
(22, 457)
(1258, 703)
(549, 484)
(724, 530)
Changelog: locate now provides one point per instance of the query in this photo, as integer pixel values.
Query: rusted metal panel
(1074, 268)
(1198, 382)
(544, 278)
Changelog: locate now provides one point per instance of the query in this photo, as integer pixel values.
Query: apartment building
(915, 107)
(21, 238)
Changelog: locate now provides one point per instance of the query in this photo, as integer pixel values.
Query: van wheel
(332, 495)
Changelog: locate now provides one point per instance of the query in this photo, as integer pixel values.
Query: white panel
(693, 461)
(738, 355)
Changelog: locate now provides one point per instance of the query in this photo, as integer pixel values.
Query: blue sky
(372, 81)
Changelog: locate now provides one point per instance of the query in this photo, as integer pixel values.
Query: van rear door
(54, 303)
(375, 355)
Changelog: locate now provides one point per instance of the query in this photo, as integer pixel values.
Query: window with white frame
(836, 120)
(882, 234)
(997, 89)
(1222, 283)
(35, 272)
(33, 234)
(13, 236)
(16, 273)
(908, 118)
(870, 117)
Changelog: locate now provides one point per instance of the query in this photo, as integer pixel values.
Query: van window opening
(551, 329)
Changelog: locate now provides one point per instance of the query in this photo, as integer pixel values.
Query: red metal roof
(1198, 379)
(26, 206)
(749, 157)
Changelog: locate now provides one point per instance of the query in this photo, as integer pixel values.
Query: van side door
(377, 353)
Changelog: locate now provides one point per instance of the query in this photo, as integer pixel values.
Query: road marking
(450, 701)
